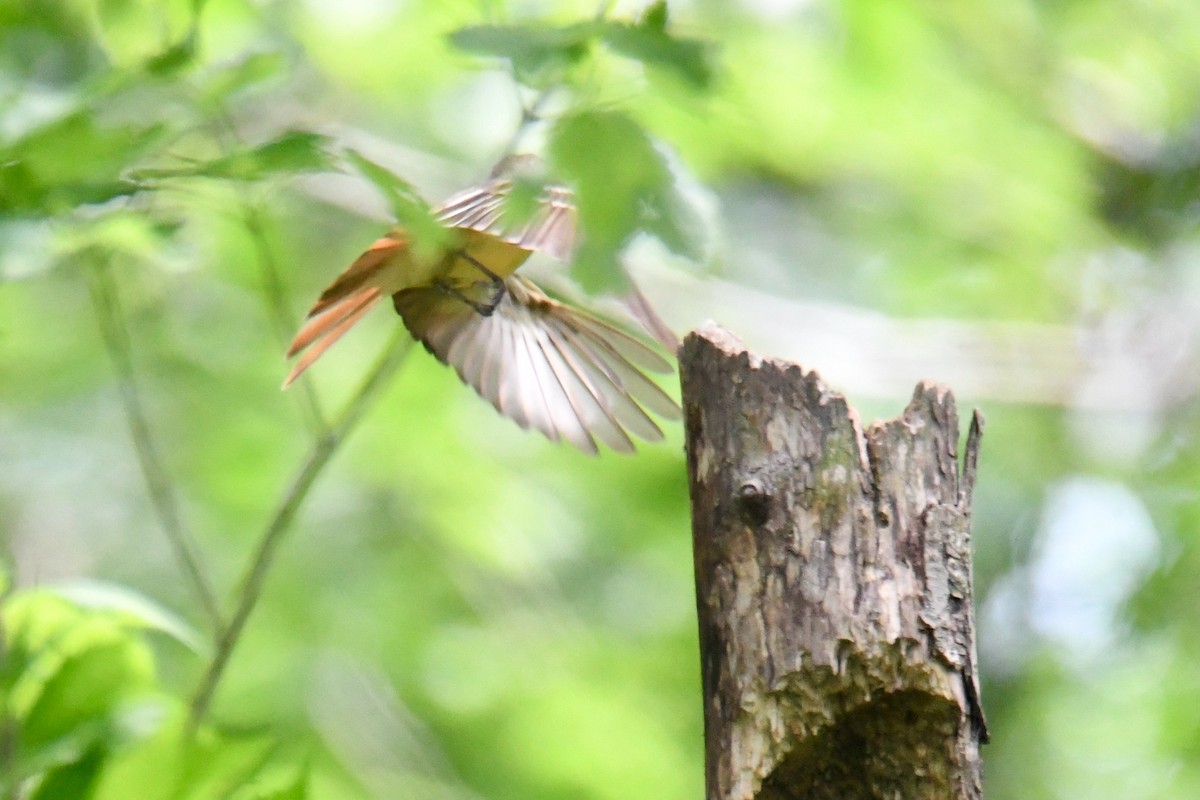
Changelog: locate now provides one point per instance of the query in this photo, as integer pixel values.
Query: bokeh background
(999, 194)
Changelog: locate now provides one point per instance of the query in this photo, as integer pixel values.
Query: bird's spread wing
(550, 230)
(546, 365)
(476, 211)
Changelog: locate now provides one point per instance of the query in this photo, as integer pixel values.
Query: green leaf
(690, 59)
(292, 153)
(623, 186)
(137, 32)
(534, 50)
(410, 209)
(70, 161)
(655, 16)
(96, 666)
(235, 76)
(173, 765)
(73, 780)
(155, 767)
(523, 201)
(278, 780)
(65, 675)
(671, 218)
(31, 623)
(132, 608)
(611, 162)
(175, 58)
(126, 232)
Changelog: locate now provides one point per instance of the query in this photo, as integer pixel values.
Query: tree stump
(833, 583)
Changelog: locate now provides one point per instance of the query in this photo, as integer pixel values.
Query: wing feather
(579, 409)
(544, 364)
(599, 418)
(550, 230)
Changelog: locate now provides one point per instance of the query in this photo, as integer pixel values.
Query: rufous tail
(343, 303)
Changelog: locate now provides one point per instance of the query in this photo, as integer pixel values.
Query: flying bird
(546, 364)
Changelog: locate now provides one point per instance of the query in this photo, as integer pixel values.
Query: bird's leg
(482, 309)
(495, 279)
(497, 286)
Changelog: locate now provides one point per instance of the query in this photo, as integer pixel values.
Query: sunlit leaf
(134, 32)
(75, 779)
(96, 666)
(154, 768)
(117, 231)
(70, 161)
(65, 675)
(279, 780)
(32, 621)
(131, 607)
(208, 765)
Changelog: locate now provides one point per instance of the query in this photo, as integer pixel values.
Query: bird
(548, 365)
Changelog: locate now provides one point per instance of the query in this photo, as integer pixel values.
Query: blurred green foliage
(459, 609)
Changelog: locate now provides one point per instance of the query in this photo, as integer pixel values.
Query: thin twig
(319, 455)
(532, 113)
(275, 293)
(158, 484)
(281, 315)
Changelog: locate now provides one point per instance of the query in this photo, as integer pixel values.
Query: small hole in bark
(755, 502)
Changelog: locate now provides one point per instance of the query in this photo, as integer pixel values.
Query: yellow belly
(500, 257)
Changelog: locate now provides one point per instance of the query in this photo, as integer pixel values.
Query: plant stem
(319, 455)
(281, 315)
(158, 484)
(532, 113)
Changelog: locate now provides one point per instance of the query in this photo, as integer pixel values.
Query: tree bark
(833, 582)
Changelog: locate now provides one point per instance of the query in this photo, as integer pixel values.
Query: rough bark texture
(833, 580)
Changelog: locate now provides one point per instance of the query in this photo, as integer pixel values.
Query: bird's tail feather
(327, 326)
(346, 300)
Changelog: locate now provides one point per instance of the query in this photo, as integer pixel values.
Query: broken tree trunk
(833, 582)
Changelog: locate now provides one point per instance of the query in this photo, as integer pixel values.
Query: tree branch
(281, 315)
(158, 484)
(833, 582)
(318, 457)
